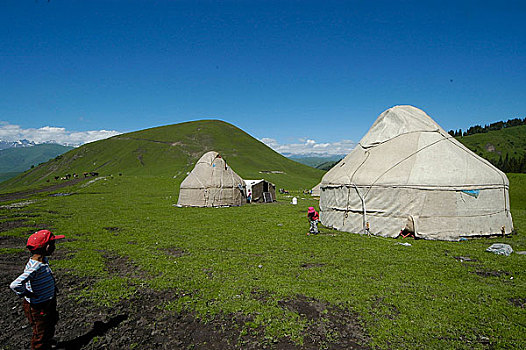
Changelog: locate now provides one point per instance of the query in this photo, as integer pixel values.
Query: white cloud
(311, 147)
(9, 132)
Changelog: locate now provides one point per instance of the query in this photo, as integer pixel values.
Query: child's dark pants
(43, 317)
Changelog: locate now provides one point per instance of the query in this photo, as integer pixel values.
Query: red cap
(40, 238)
(311, 210)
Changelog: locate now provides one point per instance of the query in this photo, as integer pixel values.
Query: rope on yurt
(421, 149)
(491, 167)
(205, 194)
(212, 179)
(400, 162)
(365, 224)
(221, 187)
(364, 215)
(233, 188)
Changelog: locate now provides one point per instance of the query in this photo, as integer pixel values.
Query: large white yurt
(212, 183)
(407, 172)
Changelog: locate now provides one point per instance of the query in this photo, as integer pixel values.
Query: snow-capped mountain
(13, 144)
(27, 143)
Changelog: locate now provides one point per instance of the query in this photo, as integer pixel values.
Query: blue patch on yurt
(472, 193)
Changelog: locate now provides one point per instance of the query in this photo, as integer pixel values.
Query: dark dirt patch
(311, 265)
(112, 229)
(519, 302)
(176, 252)
(12, 242)
(309, 308)
(261, 295)
(343, 325)
(491, 273)
(19, 214)
(12, 224)
(123, 267)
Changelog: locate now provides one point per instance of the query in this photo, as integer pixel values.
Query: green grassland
(226, 259)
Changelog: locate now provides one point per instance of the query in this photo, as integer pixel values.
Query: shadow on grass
(99, 329)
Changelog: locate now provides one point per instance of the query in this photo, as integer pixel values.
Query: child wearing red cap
(313, 217)
(37, 286)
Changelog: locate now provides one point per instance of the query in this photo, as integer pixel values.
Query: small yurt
(315, 192)
(212, 183)
(407, 173)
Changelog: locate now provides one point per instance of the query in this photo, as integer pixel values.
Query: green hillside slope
(497, 144)
(172, 151)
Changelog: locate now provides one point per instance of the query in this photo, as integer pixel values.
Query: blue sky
(295, 73)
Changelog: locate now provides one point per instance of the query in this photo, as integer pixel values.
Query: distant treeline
(507, 164)
(477, 129)
(511, 165)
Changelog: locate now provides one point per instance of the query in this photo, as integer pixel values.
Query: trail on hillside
(4, 197)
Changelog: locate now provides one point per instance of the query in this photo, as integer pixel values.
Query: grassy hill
(16, 160)
(172, 151)
(498, 143)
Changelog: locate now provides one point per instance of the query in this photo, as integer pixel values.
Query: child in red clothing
(37, 286)
(313, 217)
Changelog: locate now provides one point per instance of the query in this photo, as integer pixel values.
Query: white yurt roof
(405, 147)
(210, 171)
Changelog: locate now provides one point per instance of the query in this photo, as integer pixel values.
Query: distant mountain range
(27, 143)
(318, 162)
(19, 156)
(16, 144)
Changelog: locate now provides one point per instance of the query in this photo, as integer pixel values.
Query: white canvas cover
(212, 183)
(408, 172)
(315, 192)
(250, 183)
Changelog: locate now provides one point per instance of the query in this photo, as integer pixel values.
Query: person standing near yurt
(313, 217)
